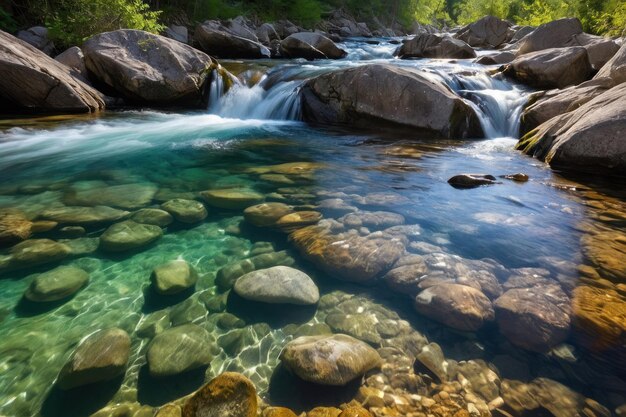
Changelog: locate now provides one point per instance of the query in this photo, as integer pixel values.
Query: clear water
(535, 224)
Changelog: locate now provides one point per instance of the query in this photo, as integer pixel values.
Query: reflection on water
(571, 235)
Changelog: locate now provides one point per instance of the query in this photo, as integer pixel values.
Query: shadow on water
(275, 315)
(158, 391)
(80, 401)
(287, 390)
(154, 301)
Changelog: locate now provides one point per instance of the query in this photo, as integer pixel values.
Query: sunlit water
(533, 224)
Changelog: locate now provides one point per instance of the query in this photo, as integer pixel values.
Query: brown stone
(227, 395)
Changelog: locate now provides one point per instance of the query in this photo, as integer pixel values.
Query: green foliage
(213, 9)
(306, 12)
(7, 23)
(72, 21)
(542, 11)
(469, 11)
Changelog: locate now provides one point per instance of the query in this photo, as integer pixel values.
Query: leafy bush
(306, 12)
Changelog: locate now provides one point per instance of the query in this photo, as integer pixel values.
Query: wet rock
(536, 318)
(56, 284)
(232, 199)
(519, 177)
(85, 216)
(278, 285)
(298, 220)
(217, 40)
(81, 245)
(430, 45)
(38, 251)
(310, 45)
(228, 395)
(471, 180)
(126, 196)
(227, 275)
(72, 231)
(35, 82)
(185, 211)
(488, 32)
(554, 34)
(615, 68)
(355, 411)
(406, 275)
(373, 220)
(100, 357)
(266, 214)
(37, 36)
(432, 362)
(152, 216)
(324, 412)
(129, 235)
(14, 227)
(42, 226)
(153, 324)
(360, 326)
(457, 306)
(179, 349)
(329, 360)
(278, 412)
(552, 68)
(173, 277)
(147, 68)
(347, 97)
(169, 410)
(335, 206)
(482, 379)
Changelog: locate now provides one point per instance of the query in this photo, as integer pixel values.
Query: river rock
(310, 45)
(554, 34)
(278, 285)
(129, 235)
(14, 227)
(487, 32)
(552, 68)
(329, 360)
(535, 318)
(615, 68)
(266, 214)
(458, 306)
(348, 97)
(298, 220)
(471, 180)
(178, 33)
(85, 216)
(173, 277)
(56, 284)
(588, 139)
(147, 68)
(430, 360)
(496, 59)
(152, 216)
(430, 45)
(38, 251)
(185, 211)
(242, 27)
(37, 36)
(228, 274)
(125, 196)
(216, 40)
(231, 198)
(179, 349)
(373, 220)
(406, 275)
(227, 395)
(266, 33)
(74, 59)
(100, 357)
(35, 82)
(599, 49)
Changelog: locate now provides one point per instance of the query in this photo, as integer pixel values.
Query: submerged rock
(100, 357)
(173, 277)
(430, 45)
(266, 214)
(83, 215)
(278, 285)
(57, 284)
(310, 45)
(227, 395)
(37, 251)
(348, 97)
(14, 227)
(231, 198)
(125, 196)
(178, 350)
(432, 362)
(152, 216)
(227, 275)
(298, 220)
(329, 360)
(185, 211)
(471, 180)
(129, 235)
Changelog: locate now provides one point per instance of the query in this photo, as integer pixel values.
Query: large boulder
(227, 395)
(33, 252)
(147, 68)
(38, 37)
(100, 357)
(615, 68)
(56, 284)
(177, 32)
(129, 235)
(173, 277)
(124, 196)
(217, 40)
(589, 139)
(310, 45)
(278, 285)
(429, 45)
(552, 68)
(489, 32)
(179, 349)
(185, 211)
(555, 34)
(74, 59)
(329, 360)
(379, 93)
(78, 215)
(33, 81)
(599, 49)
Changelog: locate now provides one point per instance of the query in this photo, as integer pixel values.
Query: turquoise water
(170, 154)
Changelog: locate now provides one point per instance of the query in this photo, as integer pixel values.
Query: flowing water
(238, 143)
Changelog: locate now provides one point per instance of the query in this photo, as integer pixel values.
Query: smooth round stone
(179, 349)
(298, 220)
(38, 251)
(42, 226)
(233, 198)
(278, 285)
(266, 214)
(471, 180)
(173, 277)
(56, 284)
(185, 211)
(329, 360)
(125, 196)
(129, 235)
(100, 357)
(228, 395)
(84, 215)
(72, 231)
(152, 216)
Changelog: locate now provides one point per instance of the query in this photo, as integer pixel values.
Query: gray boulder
(173, 277)
(496, 59)
(75, 60)
(615, 68)
(599, 49)
(147, 68)
(310, 45)
(178, 33)
(489, 32)
(266, 33)
(179, 349)
(217, 40)
(555, 34)
(33, 81)
(429, 45)
(129, 235)
(349, 97)
(278, 285)
(38, 37)
(56, 284)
